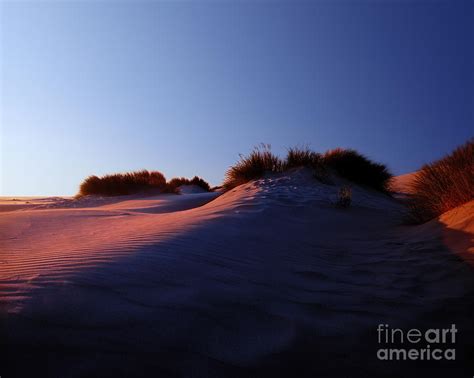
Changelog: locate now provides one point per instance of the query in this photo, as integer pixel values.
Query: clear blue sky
(98, 87)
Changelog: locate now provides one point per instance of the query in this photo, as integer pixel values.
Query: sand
(402, 184)
(268, 279)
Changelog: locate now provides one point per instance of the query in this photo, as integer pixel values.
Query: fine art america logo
(414, 344)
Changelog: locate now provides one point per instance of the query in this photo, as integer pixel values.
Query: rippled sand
(269, 279)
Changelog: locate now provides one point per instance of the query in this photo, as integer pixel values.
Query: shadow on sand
(313, 352)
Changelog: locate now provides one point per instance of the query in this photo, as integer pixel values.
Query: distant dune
(402, 184)
(27, 202)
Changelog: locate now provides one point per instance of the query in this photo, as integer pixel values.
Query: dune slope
(268, 279)
(402, 184)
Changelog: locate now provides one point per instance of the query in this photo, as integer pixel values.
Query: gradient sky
(99, 87)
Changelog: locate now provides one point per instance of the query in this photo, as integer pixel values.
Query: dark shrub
(176, 182)
(301, 157)
(304, 157)
(260, 161)
(123, 183)
(444, 184)
(357, 168)
(347, 163)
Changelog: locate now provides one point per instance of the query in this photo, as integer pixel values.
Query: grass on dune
(444, 184)
(437, 188)
(260, 161)
(357, 168)
(304, 157)
(123, 183)
(349, 164)
(143, 181)
(176, 182)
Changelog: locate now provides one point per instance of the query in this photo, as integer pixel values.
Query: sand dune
(402, 184)
(269, 279)
(458, 230)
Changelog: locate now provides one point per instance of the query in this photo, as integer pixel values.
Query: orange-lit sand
(458, 233)
(60, 241)
(402, 183)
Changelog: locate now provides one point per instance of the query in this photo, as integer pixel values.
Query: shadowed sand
(268, 279)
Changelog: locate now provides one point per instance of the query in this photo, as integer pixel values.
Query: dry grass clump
(347, 163)
(357, 168)
(304, 157)
(444, 184)
(119, 184)
(260, 161)
(123, 183)
(176, 182)
(344, 198)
